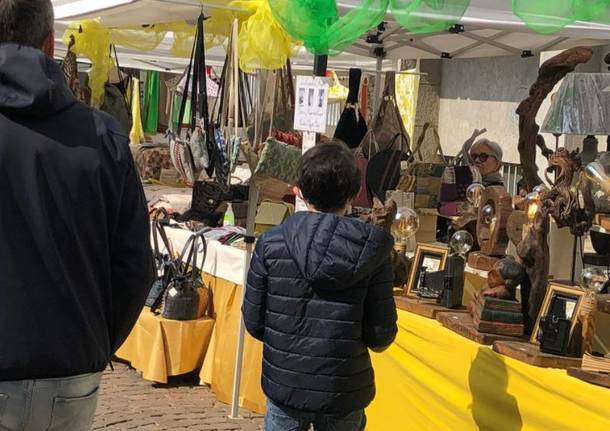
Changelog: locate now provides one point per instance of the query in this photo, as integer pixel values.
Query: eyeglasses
(482, 157)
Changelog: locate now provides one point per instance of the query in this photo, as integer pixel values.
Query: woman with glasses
(486, 155)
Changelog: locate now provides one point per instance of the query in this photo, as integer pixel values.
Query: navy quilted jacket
(319, 294)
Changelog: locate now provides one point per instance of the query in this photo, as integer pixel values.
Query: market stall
(441, 380)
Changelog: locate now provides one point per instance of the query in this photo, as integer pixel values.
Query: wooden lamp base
(463, 324)
(531, 354)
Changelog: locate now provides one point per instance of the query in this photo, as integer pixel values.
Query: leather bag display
(186, 296)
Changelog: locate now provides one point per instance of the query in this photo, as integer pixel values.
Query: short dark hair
(329, 176)
(26, 22)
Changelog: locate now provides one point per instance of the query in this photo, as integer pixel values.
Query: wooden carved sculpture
(559, 202)
(562, 200)
(491, 235)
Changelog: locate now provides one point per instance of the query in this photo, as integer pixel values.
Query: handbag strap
(355, 75)
(186, 89)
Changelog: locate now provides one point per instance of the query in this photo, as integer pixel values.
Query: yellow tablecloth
(160, 348)
(218, 367)
(432, 379)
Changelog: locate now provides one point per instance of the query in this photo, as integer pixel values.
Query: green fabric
(318, 24)
(177, 102)
(545, 16)
(151, 102)
(428, 16)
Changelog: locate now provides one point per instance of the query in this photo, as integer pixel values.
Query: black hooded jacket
(319, 295)
(75, 257)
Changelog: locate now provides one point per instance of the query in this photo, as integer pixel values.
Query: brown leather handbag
(388, 122)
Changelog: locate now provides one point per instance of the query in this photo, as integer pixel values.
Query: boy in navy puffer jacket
(319, 296)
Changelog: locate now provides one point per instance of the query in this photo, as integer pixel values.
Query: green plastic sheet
(428, 16)
(550, 16)
(151, 102)
(321, 27)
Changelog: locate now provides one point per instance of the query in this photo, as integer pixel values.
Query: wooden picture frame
(424, 252)
(563, 291)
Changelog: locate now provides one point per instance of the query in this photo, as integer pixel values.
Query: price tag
(172, 292)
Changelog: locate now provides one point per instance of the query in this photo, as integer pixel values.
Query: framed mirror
(563, 301)
(428, 258)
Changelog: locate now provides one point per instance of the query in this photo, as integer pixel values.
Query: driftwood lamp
(561, 202)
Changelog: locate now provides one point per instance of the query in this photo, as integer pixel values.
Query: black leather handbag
(163, 264)
(186, 296)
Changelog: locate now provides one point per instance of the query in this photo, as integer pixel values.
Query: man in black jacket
(319, 295)
(75, 258)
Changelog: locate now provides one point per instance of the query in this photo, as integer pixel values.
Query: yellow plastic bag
(92, 40)
(337, 91)
(263, 43)
(137, 131)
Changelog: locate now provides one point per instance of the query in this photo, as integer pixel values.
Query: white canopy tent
(489, 29)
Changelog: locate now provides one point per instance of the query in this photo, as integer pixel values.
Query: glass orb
(596, 173)
(461, 242)
(540, 189)
(473, 193)
(593, 279)
(488, 213)
(405, 225)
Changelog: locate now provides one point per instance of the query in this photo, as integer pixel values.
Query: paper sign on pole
(311, 111)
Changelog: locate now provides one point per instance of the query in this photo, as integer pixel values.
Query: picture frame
(566, 297)
(433, 256)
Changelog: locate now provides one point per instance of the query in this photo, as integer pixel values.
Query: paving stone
(129, 402)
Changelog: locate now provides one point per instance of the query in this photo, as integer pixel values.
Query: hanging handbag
(278, 161)
(424, 177)
(186, 296)
(388, 122)
(383, 170)
(196, 152)
(69, 66)
(352, 127)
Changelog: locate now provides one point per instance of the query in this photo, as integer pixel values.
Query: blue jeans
(66, 404)
(286, 419)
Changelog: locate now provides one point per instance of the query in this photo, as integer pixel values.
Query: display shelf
(423, 308)
(531, 354)
(462, 324)
(593, 377)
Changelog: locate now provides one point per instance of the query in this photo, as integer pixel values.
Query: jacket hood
(335, 252)
(31, 84)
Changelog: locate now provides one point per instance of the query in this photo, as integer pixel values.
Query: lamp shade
(581, 106)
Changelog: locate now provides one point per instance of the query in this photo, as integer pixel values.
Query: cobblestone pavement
(129, 402)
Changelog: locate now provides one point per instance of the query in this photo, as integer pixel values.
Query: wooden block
(499, 328)
(491, 303)
(531, 354)
(423, 308)
(595, 363)
(463, 324)
(480, 261)
(593, 377)
(603, 303)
